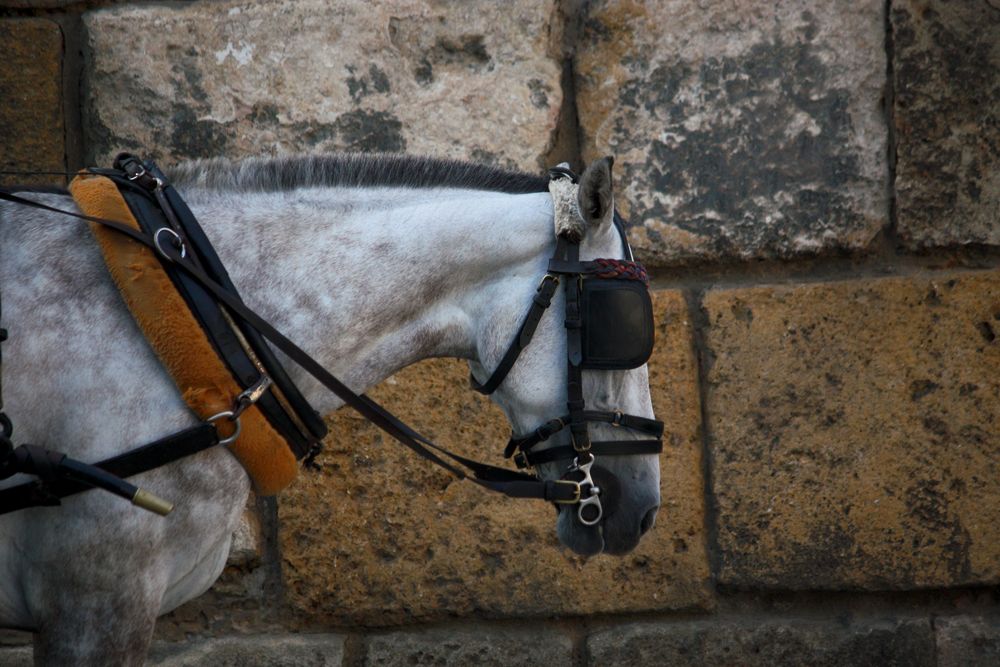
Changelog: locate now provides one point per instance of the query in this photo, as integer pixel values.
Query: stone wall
(815, 189)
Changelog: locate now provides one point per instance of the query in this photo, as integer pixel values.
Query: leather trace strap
(60, 476)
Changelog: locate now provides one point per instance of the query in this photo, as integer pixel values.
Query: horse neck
(369, 281)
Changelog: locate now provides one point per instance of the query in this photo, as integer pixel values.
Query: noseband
(609, 326)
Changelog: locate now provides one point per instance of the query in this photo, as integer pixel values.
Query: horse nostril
(648, 521)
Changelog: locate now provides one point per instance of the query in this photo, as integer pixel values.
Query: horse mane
(351, 170)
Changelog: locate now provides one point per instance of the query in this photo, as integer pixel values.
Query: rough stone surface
(260, 651)
(968, 641)
(854, 432)
(233, 78)
(32, 133)
(381, 537)
(829, 643)
(475, 646)
(741, 130)
(947, 116)
(17, 657)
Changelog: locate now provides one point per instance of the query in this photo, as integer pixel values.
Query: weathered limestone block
(21, 656)
(483, 647)
(853, 432)
(242, 78)
(32, 132)
(742, 130)
(946, 64)
(260, 651)
(823, 643)
(382, 537)
(967, 641)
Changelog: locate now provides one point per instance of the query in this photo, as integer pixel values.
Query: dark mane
(351, 170)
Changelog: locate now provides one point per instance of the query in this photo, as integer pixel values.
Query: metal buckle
(159, 248)
(547, 276)
(227, 414)
(521, 460)
(137, 175)
(594, 497)
(251, 395)
(616, 419)
(576, 497)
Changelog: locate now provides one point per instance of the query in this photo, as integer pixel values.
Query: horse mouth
(612, 537)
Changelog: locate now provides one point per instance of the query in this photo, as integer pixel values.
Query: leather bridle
(566, 268)
(177, 246)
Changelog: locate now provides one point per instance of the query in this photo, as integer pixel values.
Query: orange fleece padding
(178, 340)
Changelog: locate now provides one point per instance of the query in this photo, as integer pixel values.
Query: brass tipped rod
(94, 476)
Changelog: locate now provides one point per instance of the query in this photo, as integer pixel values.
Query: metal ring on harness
(227, 414)
(159, 248)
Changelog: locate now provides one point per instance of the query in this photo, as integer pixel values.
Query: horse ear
(595, 197)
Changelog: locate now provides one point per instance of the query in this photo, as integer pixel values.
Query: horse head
(590, 431)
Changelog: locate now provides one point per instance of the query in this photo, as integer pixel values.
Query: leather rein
(59, 476)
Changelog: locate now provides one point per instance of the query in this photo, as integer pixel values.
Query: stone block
(32, 131)
(967, 641)
(261, 651)
(21, 656)
(492, 647)
(233, 79)
(382, 537)
(853, 432)
(763, 643)
(946, 65)
(741, 130)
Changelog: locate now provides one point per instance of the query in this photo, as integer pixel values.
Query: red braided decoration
(619, 268)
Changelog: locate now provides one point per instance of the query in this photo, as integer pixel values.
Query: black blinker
(617, 324)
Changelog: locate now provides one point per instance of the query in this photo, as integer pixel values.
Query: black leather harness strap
(48, 489)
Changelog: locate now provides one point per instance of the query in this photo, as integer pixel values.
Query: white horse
(450, 263)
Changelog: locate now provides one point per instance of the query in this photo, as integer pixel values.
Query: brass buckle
(547, 276)
(576, 497)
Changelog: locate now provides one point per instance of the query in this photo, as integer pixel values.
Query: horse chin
(616, 538)
(583, 540)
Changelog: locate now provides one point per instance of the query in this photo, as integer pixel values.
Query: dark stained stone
(853, 433)
(32, 132)
(946, 69)
(481, 646)
(968, 641)
(319, 650)
(763, 643)
(741, 130)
